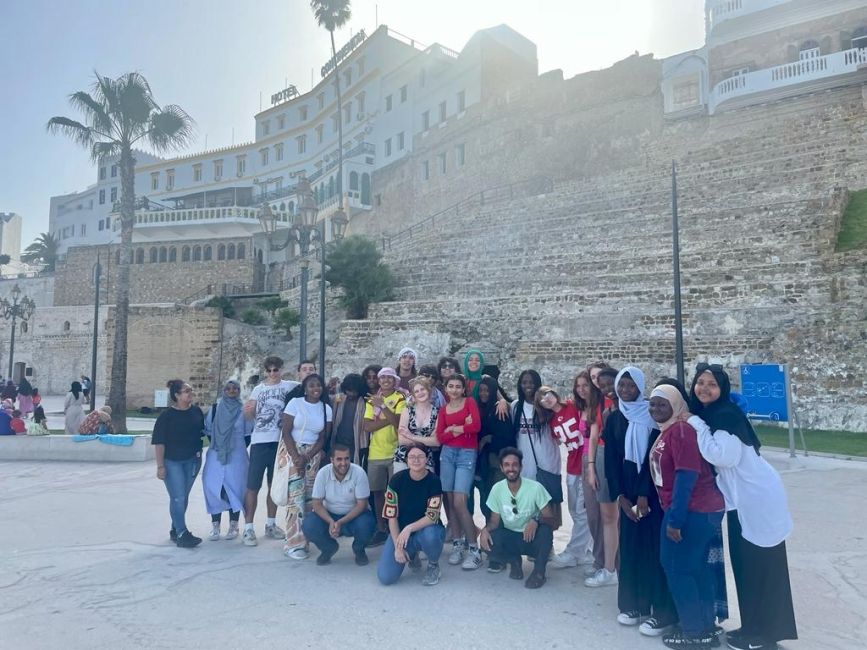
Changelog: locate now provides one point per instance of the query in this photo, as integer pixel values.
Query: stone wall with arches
(161, 271)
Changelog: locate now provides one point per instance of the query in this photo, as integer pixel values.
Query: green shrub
(223, 304)
(252, 316)
(853, 225)
(284, 320)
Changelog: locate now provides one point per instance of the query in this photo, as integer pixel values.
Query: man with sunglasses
(521, 522)
(264, 406)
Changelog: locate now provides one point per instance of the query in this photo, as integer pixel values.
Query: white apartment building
(763, 50)
(10, 235)
(393, 89)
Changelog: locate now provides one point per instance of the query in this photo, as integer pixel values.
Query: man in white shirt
(264, 406)
(340, 508)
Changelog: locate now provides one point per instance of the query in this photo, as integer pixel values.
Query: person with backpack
(224, 479)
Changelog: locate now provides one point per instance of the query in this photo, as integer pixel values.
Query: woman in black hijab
(758, 514)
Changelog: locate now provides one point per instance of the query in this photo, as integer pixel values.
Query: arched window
(185, 254)
(259, 256)
(291, 207)
(153, 254)
(173, 254)
(221, 252)
(241, 251)
(117, 258)
(353, 181)
(330, 187)
(859, 37)
(164, 254)
(197, 253)
(206, 253)
(230, 252)
(24, 327)
(139, 255)
(365, 189)
(66, 326)
(809, 50)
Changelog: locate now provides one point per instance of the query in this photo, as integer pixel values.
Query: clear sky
(216, 57)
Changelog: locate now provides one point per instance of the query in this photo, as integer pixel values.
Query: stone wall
(160, 282)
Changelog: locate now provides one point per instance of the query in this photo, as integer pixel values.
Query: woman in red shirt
(458, 426)
(693, 507)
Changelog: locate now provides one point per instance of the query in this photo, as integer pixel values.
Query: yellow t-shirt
(383, 442)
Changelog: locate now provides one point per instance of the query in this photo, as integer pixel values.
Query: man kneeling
(412, 509)
(520, 523)
(340, 495)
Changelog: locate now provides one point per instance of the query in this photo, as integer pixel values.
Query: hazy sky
(215, 57)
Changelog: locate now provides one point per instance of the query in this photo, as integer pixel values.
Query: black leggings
(234, 515)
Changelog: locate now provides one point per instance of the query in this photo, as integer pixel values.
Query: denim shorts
(457, 469)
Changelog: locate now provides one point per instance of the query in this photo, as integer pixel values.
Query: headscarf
(223, 426)
(723, 414)
(473, 378)
(24, 387)
(75, 389)
(678, 407)
(636, 412)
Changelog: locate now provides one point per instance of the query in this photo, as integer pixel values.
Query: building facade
(10, 235)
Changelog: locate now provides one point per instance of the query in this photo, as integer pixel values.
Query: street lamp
(304, 231)
(22, 308)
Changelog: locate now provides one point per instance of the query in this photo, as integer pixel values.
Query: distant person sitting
(38, 426)
(97, 422)
(17, 423)
(5, 424)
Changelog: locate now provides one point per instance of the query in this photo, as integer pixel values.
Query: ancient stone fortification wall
(159, 282)
(584, 271)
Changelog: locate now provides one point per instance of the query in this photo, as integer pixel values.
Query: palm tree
(118, 114)
(43, 250)
(334, 14)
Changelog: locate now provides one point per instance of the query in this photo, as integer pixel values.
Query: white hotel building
(392, 90)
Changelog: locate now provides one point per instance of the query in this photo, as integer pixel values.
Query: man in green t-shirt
(521, 522)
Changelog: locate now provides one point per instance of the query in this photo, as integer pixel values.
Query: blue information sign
(764, 387)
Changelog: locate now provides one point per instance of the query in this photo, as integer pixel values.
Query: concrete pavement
(86, 563)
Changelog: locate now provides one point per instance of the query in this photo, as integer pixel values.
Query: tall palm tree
(43, 250)
(334, 14)
(117, 114)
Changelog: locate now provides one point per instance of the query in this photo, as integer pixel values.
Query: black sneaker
(188, 540)
(742, 642)
(495, 567)
(378, 539)
(517, 570)
(361, 558)
(324, 558)
(173, 535)
(535, 580)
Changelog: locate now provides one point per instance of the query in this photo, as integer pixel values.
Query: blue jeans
(691, 578)
(361, 529)
(457, 469)
(180, 476)
(429, 540)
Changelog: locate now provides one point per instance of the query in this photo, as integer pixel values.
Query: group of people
(20, 409)
(648, 481)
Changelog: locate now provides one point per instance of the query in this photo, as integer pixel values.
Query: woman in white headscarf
(224, 479)
(642, 591)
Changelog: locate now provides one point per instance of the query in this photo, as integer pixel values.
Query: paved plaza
(86, 563)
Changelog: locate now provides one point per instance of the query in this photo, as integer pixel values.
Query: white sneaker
(563, 560)
(457, 554)
(233, 530)
(590, 571)
(215, 531)
(274, 532)
(298, 553)
(587, 559)
(250, 538)
(630, 618)
(603, 578)
(473, 560)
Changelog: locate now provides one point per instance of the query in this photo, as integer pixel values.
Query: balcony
(226, 221)
(719, 11)
(789, 78)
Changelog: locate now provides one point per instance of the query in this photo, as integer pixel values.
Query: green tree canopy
(284, 320)
(355, 265)
(43, 250)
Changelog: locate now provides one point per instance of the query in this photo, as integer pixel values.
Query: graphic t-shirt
(677, 448)
(568, 426)
(517, 509)
(383, 441)
(309, 419)
(409, 500)
(270, 401)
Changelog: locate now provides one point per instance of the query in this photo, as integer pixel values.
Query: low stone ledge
(62, 447)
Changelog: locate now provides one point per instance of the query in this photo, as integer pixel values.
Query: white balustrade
(145, 218)
(722, 10)
(788, 74)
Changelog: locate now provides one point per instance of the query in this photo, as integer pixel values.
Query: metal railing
(719, 12)
(533, 186)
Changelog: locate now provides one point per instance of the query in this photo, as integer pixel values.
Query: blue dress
(231, 477)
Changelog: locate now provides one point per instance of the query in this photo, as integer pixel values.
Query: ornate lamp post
(305, 232)
(19, 308)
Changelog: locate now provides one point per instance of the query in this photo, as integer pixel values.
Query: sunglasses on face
(713, 367)
(514, 506)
